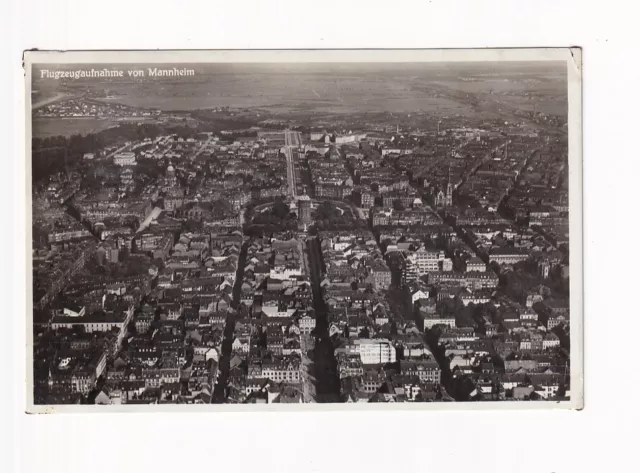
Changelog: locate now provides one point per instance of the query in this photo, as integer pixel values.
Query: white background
(602, 437)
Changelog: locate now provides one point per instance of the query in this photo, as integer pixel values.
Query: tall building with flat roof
(372, 351)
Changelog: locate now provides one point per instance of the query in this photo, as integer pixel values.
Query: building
(127, 158)
(427, 371)
(475, 264)
(349, 365)
(371, 351)
(474, 281)
(418, 294)
(96, 322)
(307, 324)
(507, 255)
(174, 199)
(170, 177)
(239, 200)
(431, 320)
(543, 268)
(367, 199)
(68, 234)
(279, 369)
(381, 275)
(550, 340)
(445, 199)
(424, 261)
(554, 320)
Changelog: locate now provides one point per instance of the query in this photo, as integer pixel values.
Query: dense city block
(230, 256)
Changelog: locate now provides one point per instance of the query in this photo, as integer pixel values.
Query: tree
(78, 330)
(398, 205)
(280, 208)
(192, 225)
(131, 328)
(394, 327)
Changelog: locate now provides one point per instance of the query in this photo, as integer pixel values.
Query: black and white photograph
(243, 229)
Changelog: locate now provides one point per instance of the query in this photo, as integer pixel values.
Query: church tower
(449, 196)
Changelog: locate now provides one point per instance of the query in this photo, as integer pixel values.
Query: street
(292, 144)
(147, 221)
(324, 362)
(119, 150)
(306, 370)
(203, 147)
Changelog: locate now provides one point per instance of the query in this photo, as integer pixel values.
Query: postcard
(302, 229)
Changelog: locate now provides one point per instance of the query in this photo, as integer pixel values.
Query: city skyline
(302, 234)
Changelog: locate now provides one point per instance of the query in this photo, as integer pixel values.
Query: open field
(49, 99)
(341, 88)
(43, 127)
(282, 93)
